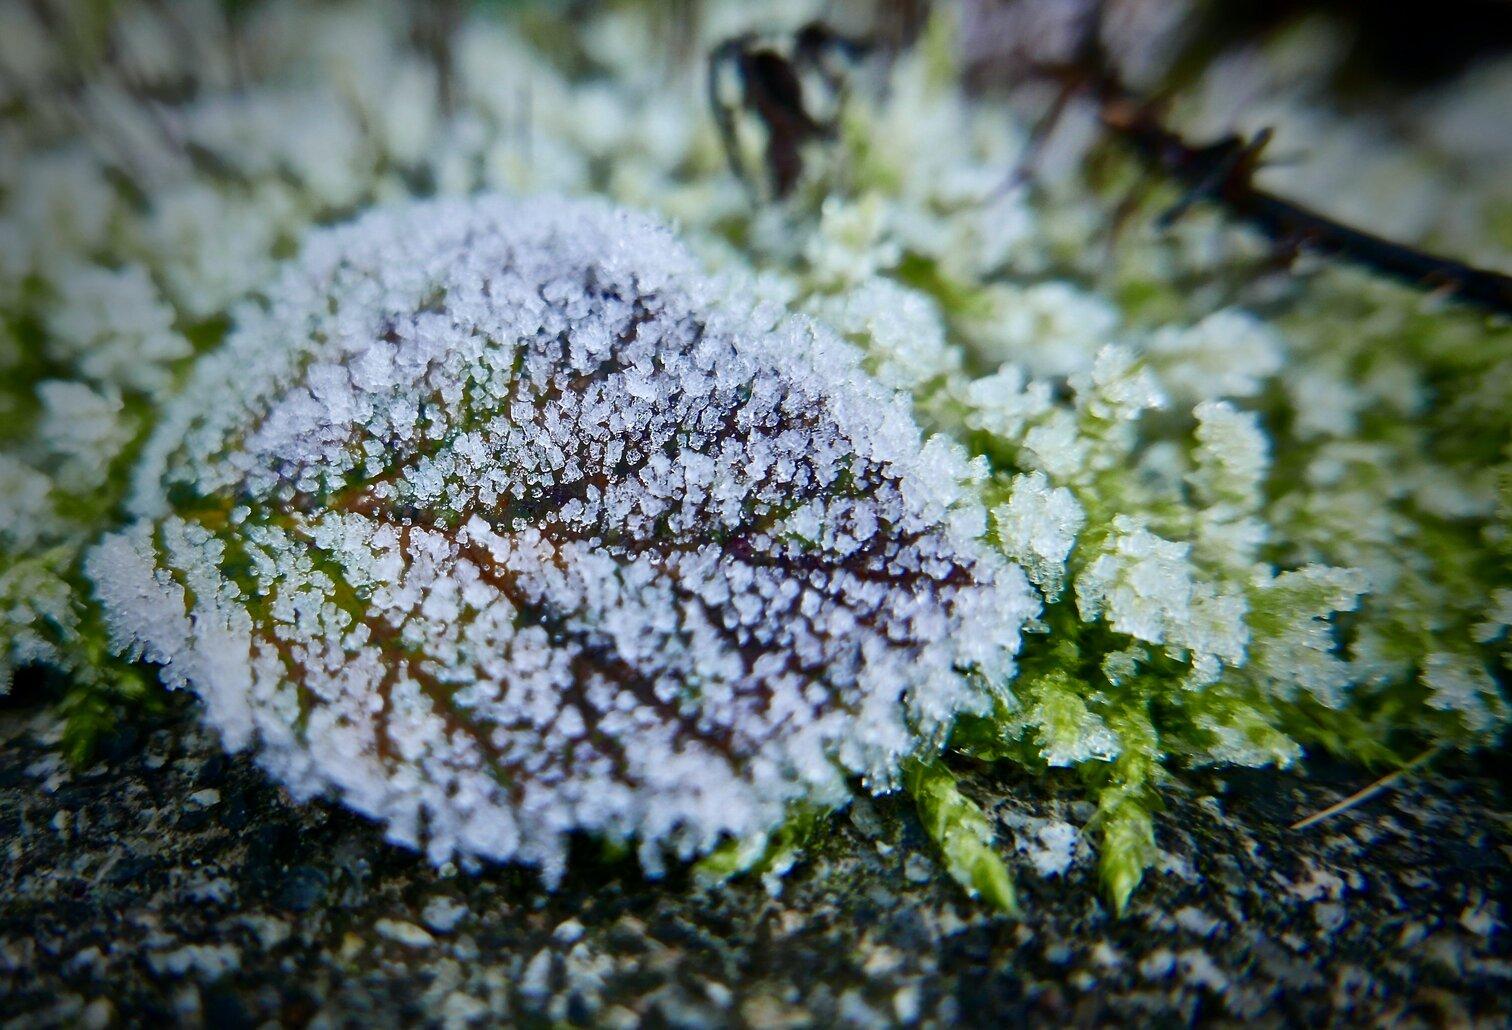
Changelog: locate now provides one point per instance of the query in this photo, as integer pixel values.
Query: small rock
(1107, 956)
(855, 1011)
(1157, 964)
(906, 1004)
(1194, 920)
(270, 932)
(1329, 915)
(442, 914)
(89, 958)
(863, 814)
(404, 932)
(211, 961)
(460, 1009)
(97, 1015)
(883, 961)
(918, 868)
(1199, 969)
(218, 890)
(536, 981)
(1480, 918)
(619, 1018)
(1052, 846)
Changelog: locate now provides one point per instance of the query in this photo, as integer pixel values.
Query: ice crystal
(503, 520)
(1038, 527)
(1229, 353)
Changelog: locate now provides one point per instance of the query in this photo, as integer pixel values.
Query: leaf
(505, 521)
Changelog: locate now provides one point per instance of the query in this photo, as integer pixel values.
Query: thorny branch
(1221, 172)
(1224, 171)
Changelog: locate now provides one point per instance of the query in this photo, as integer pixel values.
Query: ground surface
(170, 884)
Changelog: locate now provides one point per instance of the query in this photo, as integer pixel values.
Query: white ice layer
(502, 520)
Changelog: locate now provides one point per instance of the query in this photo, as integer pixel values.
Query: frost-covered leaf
(503, 520)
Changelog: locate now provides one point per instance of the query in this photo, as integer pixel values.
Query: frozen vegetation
(370, 396)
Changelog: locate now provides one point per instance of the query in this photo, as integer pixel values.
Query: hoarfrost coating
(503, 520)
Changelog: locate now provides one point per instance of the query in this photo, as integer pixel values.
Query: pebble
(404, 932)
(907, 1003)
(568, 932)
(460, 1009)
(442, 914)
(97, 1015)
(1329, 915)
(1194, 920)
(1157, 964)
(210, 961)
(918, 868)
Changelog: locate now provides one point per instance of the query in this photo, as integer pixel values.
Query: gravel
(169, 883)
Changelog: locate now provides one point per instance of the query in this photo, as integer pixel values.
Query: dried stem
(1364, 794)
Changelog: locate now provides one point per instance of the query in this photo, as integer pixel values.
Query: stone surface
(171, 884)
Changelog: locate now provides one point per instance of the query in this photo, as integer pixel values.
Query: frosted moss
(503, 520)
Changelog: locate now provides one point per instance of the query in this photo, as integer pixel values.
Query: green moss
(963, 834)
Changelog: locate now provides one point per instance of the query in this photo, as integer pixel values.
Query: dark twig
(1223, 172)
(771, 89)
(1040, 135)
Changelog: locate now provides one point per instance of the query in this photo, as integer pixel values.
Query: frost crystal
(1038, 527)
(1229, 353)
(503, 520)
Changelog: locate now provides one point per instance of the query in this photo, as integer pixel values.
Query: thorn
(1226, 166)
